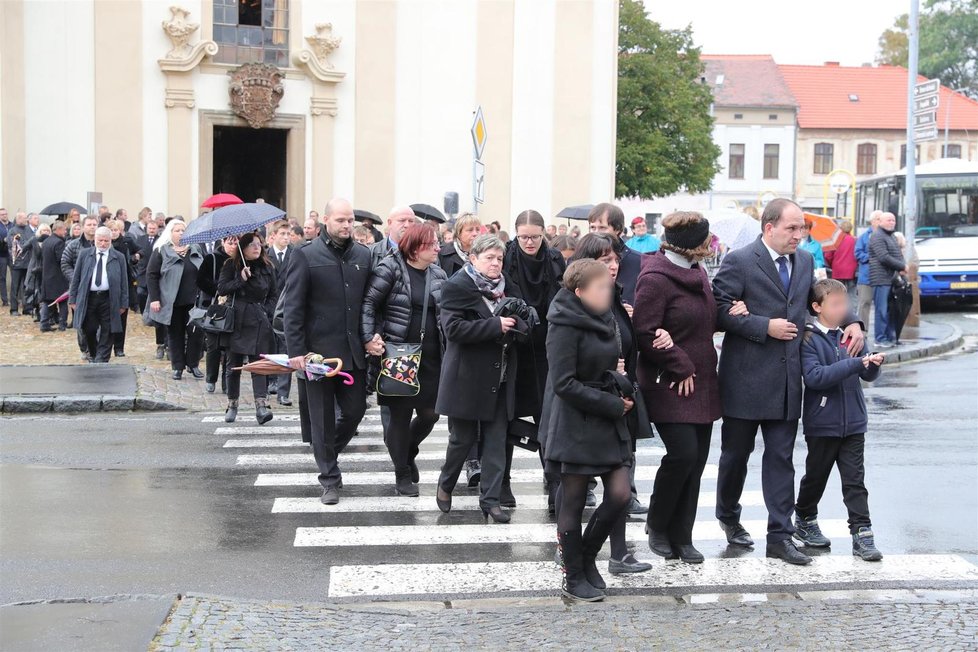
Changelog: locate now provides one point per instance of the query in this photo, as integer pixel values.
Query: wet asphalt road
(100, 505)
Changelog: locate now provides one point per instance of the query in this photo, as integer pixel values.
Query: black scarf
(535, 278)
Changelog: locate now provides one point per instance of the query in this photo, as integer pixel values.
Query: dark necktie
(281, 257)
(98, 271)
(783, 271)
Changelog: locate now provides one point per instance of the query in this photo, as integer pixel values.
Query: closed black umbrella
(428, 212)
(62, 208)
(366, 216)
(576, 212)
(900, 303)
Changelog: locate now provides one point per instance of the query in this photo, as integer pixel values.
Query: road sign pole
(910, 190)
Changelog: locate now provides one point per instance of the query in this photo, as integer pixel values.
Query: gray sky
(793, 32)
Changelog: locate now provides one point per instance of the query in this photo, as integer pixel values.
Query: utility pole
(910, 185)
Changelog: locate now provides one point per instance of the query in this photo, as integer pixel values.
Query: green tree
(948, 43)
(665, 130)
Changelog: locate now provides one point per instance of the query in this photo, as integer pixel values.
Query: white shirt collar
(676, 259)
(822, 327)
(279, 251)
(774, 255)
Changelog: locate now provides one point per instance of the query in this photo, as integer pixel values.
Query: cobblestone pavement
(944, 622)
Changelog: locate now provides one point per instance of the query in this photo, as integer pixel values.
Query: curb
(953, 341)
(83, 403)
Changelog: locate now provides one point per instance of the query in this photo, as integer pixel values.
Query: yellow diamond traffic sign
(479, 133)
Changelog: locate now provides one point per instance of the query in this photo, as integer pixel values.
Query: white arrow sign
(929, 87)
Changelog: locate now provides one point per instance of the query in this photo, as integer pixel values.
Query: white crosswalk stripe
(293, 417)
(537, 577)
(642, 473)
(306, 459)
(460, 503)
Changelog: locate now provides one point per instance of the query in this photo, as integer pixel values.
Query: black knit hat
(689, 235)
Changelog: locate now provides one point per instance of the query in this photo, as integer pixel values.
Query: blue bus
(947, 222)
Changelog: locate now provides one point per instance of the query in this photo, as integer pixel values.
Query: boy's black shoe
(808, 533)
(786, 551)
(864, 545)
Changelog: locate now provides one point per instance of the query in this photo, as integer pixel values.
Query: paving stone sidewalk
(792, 622)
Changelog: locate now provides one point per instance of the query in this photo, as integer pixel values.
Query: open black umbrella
(235, 219)
(898, 307)
(62, 208)
(367, 216)
(576, 212)
(428, 212)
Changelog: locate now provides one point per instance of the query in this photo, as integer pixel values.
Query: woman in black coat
(248, 280)
(477, 391)
(394, 311)
(583, 426)
(455, 254)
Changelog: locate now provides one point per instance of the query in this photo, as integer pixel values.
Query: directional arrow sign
(925, 118)
(929, 87)
(928, 103)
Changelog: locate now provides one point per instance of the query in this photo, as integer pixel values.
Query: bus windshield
(948, 207)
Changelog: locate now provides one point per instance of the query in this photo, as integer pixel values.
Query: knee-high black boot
(575, 584)
(595, 534)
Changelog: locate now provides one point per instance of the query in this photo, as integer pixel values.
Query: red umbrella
(221, 199)
(58, 300)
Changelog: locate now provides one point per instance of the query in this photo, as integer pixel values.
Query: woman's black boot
(262, 412)
(595, 534)
(231, 413)
(404, 486)
(496, 513)
(575, 584)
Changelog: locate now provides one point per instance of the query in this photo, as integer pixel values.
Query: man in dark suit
(760, 371)
(280, 253)
(99, 294)
(324, 286)
(399, 219)
(53, 281)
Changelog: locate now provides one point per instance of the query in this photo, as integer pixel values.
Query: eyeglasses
(529, 238)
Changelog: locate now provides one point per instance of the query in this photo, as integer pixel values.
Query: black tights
(404, 434)
(573, 493)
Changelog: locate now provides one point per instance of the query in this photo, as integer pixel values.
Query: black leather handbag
(524, 434)
(216, 318)
(400, 366)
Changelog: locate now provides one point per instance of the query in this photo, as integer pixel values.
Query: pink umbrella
(63, 297)
(221, 199)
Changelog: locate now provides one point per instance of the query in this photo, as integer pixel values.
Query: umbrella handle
(336, 364)
(347, 378)
(236, 369)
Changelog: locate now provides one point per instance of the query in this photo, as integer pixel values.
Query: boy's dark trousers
(823, 454)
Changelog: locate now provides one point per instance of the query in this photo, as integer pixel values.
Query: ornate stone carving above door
(255, 91)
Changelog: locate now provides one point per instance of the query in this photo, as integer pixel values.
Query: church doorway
(251, 163)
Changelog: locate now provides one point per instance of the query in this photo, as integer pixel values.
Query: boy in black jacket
(834, 421)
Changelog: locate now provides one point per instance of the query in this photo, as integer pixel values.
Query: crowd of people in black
(573, 348)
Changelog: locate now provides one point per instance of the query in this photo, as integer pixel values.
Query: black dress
(430, 348)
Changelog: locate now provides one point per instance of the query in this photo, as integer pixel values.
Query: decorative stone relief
(255, 91)
(323, 106)
(182, 97)
(179, 29)
(323, 43)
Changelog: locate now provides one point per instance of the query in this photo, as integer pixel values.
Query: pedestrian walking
(760, 371)
(455, 254)
(171, 278)
(4, 255)
(32, 284)
(145, 244)
(398, 220)
(534, 273)
(584, 421)
(248, 280)
(835, 422)
(17, 237)
(477, 389)
(864, 291)
(126, 246)
(98, 294)
(642, 241)
(679, 383)
(609, 219)
(324, 289)
(215, 356)
(280, 254)
(885, 261)
(53, 281)
(400, 306)
(69, 257)
(842, 261)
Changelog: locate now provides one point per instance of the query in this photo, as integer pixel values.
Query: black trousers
(17, 296)
(463, 434)
(185, 341)
(4, 264)
(98, 326)
(777, 472)
(48, 313)
(675, 495)
(213, 357)
(330, 434)
(847, 454)
(259, 383)
(403, 435)
(119, 339)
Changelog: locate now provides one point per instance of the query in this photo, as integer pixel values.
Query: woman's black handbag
(637, 419)
(400, 366)
(523, 434)
(216, 318)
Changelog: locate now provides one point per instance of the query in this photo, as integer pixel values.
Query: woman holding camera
(400, 287)
(477, 390)
(248, 280)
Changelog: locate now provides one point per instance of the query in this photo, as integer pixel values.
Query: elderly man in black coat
(99, 294)
(760, 371)
(324, 286)
(53, 281)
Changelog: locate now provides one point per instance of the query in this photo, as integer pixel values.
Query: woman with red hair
(400, 287)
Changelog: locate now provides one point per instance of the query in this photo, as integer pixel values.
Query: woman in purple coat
(679, 384)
